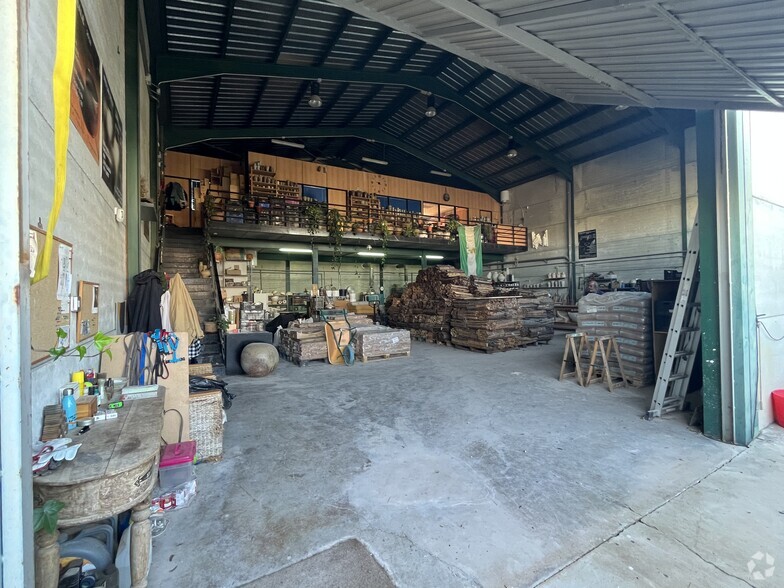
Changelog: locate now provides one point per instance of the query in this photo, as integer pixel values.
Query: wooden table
(114, 471)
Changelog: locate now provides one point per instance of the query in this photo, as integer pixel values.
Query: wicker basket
(200, 369)
(206, 418)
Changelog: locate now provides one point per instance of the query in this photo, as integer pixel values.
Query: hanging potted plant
(314, 215)
(336, 227)
(218, 252)
(452, 227)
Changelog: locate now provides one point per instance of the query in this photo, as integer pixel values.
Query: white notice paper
(63, 273)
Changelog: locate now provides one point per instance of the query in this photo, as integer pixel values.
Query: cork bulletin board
(87, 317)
(50, 298)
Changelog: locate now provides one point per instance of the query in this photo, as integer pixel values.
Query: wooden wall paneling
(288, 169)
(177, 164)
(312, 174)
(337, 197)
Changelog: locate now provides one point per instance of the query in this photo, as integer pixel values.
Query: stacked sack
(627, 317)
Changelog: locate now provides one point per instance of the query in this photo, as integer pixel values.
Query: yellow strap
(61, 91)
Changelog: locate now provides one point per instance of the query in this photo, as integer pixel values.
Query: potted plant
(314, 215)
(222, 322)
(355, 227)
(409, 230)
(218, 252)
(336, 227)
(47, 551)
(452, 226)
(100, 341)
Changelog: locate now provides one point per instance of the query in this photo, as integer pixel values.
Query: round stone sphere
(259, 359)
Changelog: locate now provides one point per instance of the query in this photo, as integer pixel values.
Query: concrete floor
(464, 469)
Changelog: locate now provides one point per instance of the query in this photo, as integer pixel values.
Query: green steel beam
(180, 136)
(132, 202)
(172, 68)
(707, 195)
(740, 259)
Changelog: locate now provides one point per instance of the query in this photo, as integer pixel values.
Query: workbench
(114, 470)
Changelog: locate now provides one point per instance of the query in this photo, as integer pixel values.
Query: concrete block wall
(87, 219)
(632, 200)
(768, 238)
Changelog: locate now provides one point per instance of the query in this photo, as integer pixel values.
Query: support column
(740, 268)
(424, 260)
(132, 202)
(314, 266)
(710, 324)
(288, 275)
(571, 241)
(16, 488)
(682, 167)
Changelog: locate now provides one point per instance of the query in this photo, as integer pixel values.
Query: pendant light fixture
(511, 152)
(315, 100)
(431, 111)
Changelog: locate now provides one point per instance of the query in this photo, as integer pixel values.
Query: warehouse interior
(458, 293)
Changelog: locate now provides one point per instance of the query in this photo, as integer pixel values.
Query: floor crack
(638, 519)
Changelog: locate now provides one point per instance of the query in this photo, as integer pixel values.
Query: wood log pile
(444, 305)
(305, 342)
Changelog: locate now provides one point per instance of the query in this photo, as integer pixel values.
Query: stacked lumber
(425, 306)
(382, 342)
(305, 342)
(501, 323)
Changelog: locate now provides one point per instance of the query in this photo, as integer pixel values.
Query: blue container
(69, 408)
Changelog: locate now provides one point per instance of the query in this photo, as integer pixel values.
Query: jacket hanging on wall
(176, 198)
(144, 303)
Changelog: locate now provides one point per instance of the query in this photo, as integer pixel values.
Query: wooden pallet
(365, 359)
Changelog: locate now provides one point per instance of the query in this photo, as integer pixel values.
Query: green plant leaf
(108, 352)
(61, 334)
(45, 517)
(81, 350)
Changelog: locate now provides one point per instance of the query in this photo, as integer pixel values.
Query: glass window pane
(314, 193)
(429, 209)
(462, 214)
(447, 211)
(384, 201)
(398, 203)
(414, 206)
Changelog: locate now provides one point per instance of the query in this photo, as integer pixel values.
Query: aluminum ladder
(683, 337)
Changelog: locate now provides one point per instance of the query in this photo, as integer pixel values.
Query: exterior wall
(632, 200)
(768, 206)
(147, 182)
(87, 218)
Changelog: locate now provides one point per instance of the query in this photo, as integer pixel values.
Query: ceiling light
(431, 111)
(294, 250)
(287, 143)
(315, 100)
(511, 149)
(438, 172)
(622, 107)
(371, 254)
(433, 256)
(378, 161)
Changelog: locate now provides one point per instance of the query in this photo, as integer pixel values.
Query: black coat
(144, 303)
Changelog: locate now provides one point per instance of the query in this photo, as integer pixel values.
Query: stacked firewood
(425, 306)
(444, 305)
(305, 342)
(382, 342)
(501, 323)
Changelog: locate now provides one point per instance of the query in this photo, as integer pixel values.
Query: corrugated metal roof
(672, 54)
(470, 134)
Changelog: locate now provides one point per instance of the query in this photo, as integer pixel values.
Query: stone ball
(259, 359)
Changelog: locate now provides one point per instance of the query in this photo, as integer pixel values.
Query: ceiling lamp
(438, 172)
(294, 250)
(431, 111)
(377, 161)
(370, 254)
(315, 100)
(287, 143)
(511, 152)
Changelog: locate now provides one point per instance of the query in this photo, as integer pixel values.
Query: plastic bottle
(69, 408)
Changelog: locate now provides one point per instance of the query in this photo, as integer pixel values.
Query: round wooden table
(114, 471)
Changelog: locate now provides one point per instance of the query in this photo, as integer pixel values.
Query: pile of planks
(382, 343)
(425, 306)
(305, 342)
(500, 323)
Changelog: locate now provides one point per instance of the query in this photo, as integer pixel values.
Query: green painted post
(132, 202)
(707, 136)
(743, 308)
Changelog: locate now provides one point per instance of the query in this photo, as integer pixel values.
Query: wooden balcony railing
(360, 216)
